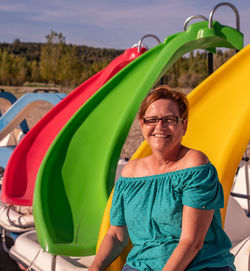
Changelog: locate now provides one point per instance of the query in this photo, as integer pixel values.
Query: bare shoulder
(129, 168)
(135, 168)
(194, 158)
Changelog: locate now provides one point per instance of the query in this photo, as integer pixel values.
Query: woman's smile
(161, 135)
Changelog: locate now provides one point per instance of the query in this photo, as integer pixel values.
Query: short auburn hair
(165, 92)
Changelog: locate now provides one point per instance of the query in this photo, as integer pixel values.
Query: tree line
(56, 62)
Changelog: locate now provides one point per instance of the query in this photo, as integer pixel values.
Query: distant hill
(32, 50)
(60, 63)
(69, 65)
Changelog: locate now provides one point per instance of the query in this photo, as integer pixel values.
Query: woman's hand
(195, 224)
(111, 247)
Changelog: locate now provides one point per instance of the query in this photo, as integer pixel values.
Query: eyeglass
(167, 120)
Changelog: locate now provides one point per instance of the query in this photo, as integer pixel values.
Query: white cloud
(12, 7)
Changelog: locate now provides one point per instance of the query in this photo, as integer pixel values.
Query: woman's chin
(159, 144)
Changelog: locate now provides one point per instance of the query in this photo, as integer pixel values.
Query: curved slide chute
(16, 113)
(6, 100)
(18, 185)
(218, 125)
(77, 173)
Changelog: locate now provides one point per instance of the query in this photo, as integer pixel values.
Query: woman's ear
(141, 122)
(184, 123)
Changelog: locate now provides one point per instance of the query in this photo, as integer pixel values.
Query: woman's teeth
(161, 135)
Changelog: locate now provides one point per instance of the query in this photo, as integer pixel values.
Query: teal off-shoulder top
(151, 208)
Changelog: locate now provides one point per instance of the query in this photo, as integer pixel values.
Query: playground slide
(6, 100)
(77, 173)
(15, 115)
(19, 109)
(18, 185)
(218, 126)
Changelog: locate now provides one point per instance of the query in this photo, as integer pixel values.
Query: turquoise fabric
(151, 207)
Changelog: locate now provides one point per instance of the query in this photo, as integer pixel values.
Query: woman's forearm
(183, 254)
(111, 247)
(195, 224)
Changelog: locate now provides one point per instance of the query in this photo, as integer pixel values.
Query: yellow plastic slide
(218, 125)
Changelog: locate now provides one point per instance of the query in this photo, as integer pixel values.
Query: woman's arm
(195, 224)
(111, 247)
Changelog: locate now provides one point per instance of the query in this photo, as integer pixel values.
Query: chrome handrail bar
(210, 22)
(147, 36)
(193, 17)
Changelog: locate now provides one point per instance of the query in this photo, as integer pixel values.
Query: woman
(167, 203)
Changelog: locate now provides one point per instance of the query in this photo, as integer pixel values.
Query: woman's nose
(160, 123)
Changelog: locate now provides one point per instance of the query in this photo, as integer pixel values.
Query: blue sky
(109, 23)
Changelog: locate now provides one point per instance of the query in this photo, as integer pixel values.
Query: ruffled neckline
(176, 172)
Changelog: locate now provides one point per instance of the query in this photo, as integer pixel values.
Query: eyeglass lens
(165, 120)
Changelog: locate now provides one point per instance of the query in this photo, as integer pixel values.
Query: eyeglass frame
(164, 122)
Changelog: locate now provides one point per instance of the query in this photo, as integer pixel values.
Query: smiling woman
(167, 203)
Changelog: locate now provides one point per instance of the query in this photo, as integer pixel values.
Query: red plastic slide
(22, 168)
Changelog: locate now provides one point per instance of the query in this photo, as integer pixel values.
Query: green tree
(34, 71)
(18, 70)
(51, 53)
(5, 68)
(69, 68)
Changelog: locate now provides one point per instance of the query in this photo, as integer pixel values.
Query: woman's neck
(170, 159)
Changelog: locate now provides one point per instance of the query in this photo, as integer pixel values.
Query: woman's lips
(161, 135)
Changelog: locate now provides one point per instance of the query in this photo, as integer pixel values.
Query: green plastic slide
(77, 173)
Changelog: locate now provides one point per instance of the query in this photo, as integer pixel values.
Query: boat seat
(21, 222)
(237, 223)
(242, 255)
(28, 252)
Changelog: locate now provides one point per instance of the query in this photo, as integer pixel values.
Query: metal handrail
(3, 237)
(239, 195)
(45, 90)
(147, 36)
(247, 195)
(246, 161)
(17, 225)
(210, 22)
(193, 17)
